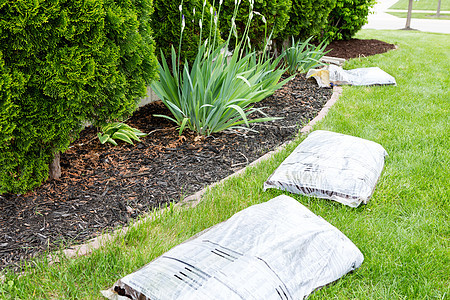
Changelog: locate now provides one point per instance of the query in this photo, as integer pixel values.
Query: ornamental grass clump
(302, 56)
(218, 90)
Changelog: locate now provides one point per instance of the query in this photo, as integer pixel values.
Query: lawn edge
(192, 200)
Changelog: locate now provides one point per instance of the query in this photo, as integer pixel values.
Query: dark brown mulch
(104, 186)
(355, 48)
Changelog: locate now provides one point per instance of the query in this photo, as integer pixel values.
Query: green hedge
(275, 12)
(307, 18)
(347, 18)
(10, 84)
(64, 62)
(166, 25)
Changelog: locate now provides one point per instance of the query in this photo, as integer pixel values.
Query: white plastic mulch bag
(335, 75)
(332, 166)
(274, 250)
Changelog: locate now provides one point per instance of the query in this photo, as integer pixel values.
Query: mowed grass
(403, 231)
(422, 5)
(421, 15)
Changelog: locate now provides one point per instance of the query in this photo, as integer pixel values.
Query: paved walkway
(382, 20)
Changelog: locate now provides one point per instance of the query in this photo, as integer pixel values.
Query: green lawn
(422, 5)
(421, 15)
(403, 231)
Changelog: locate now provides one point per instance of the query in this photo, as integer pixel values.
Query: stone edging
(193, 200)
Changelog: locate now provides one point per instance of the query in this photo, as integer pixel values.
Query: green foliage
(9, 84)
(217, 92)
(347, 18)
(307, 18)
(65, 62)
(215, 95)
(119, 131)
(303, 56)
(403, 231)
(269, 16)
(166, 26)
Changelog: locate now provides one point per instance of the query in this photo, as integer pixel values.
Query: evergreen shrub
(166, 26)
(307, 18)
(347, 18)
(272, 18)
(64, 62)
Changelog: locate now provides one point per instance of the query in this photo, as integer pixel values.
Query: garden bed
(103, 186)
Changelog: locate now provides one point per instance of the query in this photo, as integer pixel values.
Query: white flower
(262, 17)
(220, 2)
(215, 20)
(200, 23)
(204, 3)
(193, 11)
(180, 7)
(233, 27)
(211, 10)
(183, 23)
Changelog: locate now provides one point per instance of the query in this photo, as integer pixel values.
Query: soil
(103, 186)
(356, 48)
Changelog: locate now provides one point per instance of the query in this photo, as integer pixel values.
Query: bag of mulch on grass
(335, 75)
(274, 250)
(332, 166)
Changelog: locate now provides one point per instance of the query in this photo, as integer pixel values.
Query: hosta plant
(119, 131)
(217, 91)
(302, 56)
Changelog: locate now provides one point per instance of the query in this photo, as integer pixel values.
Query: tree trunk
(438, 12)
(408, 18)
(55, 167)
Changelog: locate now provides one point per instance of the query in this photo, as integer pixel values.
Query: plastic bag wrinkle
(332, 166)
(333, 75)
(274, 250)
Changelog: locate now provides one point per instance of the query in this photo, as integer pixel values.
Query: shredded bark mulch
(103, 186)
(356, 48)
